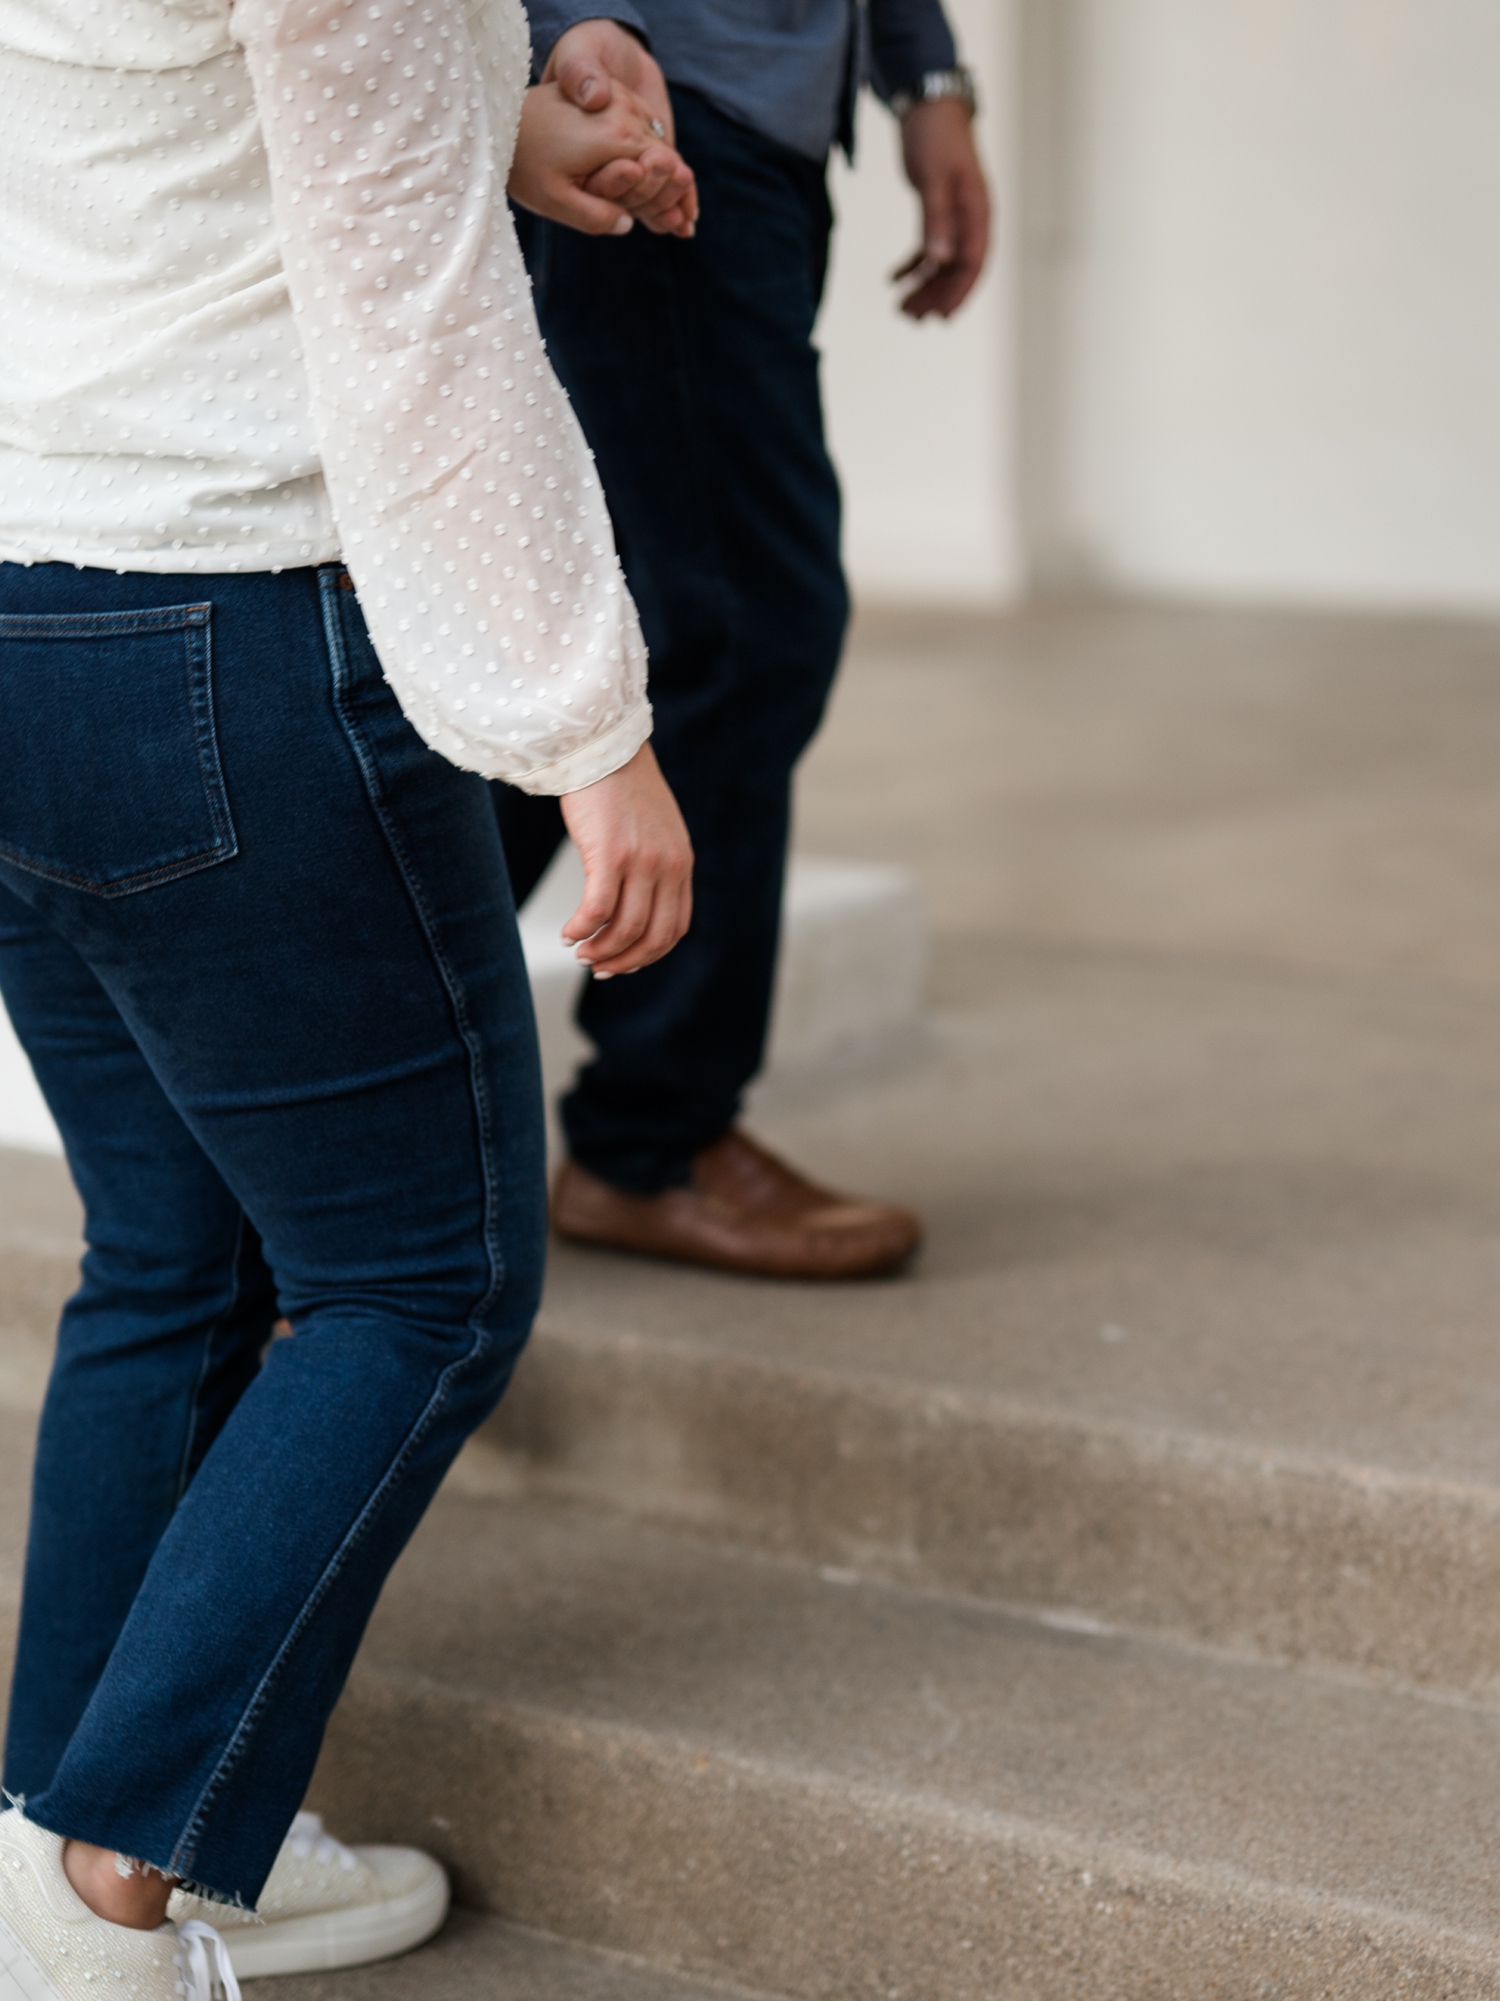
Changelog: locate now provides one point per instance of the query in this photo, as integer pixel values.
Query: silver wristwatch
(957, 82)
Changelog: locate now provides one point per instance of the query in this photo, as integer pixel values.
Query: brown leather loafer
(744, 1210)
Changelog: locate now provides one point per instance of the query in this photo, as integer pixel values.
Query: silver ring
(658, 128)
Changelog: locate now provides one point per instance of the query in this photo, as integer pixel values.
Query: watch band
(957, 82)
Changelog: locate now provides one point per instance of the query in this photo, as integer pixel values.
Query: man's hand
(585, 64)
(591, 53)
(637, 868)
(580, 167)
(937, 146)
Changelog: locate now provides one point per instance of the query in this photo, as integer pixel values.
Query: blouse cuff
(593, 761)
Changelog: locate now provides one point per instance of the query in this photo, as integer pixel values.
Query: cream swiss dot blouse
(264, 306)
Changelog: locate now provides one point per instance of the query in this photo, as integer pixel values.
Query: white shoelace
(308, 1839)
(204, 1963)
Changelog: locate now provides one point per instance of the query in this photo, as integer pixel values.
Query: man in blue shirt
(687, 350)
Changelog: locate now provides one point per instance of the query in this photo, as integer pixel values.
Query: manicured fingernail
(624, 226)
(600, 976)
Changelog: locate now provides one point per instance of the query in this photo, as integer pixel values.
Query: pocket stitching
(103, 624)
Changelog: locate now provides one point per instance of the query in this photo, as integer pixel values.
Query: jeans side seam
(426, 918)
(185, 1849)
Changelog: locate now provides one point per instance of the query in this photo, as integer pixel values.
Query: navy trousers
(692, 368)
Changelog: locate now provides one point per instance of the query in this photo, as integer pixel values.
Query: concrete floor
(1208, 1133)
(1306, 791)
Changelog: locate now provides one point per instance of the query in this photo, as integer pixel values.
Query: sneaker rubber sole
(325, 1940)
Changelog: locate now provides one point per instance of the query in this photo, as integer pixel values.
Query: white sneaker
(325, 1905)
(53, 1948)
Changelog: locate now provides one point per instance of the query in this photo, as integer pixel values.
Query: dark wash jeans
(692, 369)
(259, 944)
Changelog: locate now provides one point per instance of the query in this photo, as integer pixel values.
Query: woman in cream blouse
(299, 544)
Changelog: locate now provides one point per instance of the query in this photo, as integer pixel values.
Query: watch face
(956, 82)
(939, 84)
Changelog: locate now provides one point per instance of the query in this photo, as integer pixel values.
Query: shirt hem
(169, 562)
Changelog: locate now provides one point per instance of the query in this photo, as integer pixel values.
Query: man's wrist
(611, 20)
(636, 29)
(936, 86)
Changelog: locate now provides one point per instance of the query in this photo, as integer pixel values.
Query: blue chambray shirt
(788, 68)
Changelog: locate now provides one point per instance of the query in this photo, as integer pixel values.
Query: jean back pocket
(109, 766)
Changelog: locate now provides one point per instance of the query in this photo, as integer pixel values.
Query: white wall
(920, 417)
(1242, 335)
(1264, 299)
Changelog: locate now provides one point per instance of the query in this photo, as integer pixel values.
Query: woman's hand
(560, 147)
(637, 868)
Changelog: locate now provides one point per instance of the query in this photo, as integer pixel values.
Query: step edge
(1162, 1444)
(1279, 1554)
(731, 1990)
(1076, 1621)
(1210, 1885)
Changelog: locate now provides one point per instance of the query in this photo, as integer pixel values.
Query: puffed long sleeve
(469, 510)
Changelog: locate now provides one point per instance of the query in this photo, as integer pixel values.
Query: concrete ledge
(853, 965)
(1274, 1552)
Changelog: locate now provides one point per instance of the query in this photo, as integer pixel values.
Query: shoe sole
(21, 1979)
(331, 1939)
(887, 1265)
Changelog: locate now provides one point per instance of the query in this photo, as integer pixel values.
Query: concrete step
(742, 1769)
(40, 1242)
(735, 1769)
(17, 1432)
(1294, 1556)
(1203, 1339)
(475, 1958)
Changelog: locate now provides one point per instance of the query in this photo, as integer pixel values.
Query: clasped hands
(594, 150)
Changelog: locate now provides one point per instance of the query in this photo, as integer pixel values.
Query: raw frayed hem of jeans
(217, 1900)
(131, 1865)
